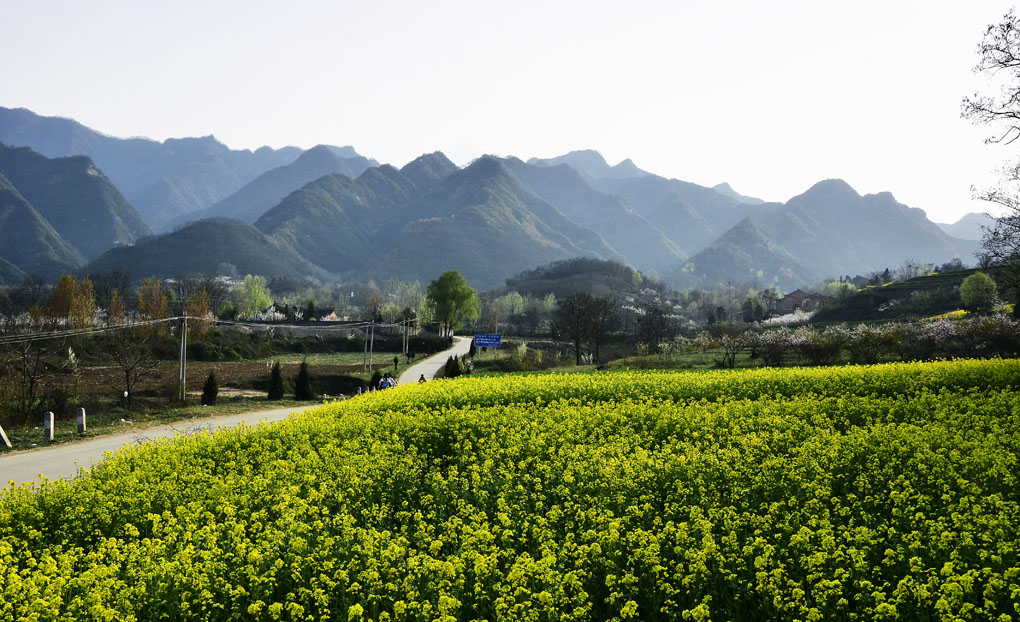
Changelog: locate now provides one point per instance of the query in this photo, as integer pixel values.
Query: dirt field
(234, 378)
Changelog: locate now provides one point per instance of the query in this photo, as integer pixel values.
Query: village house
(801, 300)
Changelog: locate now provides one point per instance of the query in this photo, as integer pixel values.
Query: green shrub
(303, 384)
(978, 292)
(210, 390)
(276, 383)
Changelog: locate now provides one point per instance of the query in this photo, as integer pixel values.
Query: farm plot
(885, 492)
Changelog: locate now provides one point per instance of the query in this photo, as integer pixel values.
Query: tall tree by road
(454, 301)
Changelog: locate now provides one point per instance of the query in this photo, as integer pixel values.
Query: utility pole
(371, 348)
(184, 358)
(364, 361)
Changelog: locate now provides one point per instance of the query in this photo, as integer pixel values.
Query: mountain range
(163, 180)
(330, 211)
(57, 214)
(969, 227)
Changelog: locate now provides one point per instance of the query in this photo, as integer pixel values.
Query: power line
(57, 334)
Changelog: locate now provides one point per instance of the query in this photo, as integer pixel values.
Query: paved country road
(65, 460)
(431, 365)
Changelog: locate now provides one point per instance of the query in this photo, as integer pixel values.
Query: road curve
(430, 366)
(66, 460)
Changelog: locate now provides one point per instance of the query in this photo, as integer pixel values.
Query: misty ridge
(73, 199)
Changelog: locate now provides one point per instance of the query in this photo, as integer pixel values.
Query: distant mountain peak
(590, 163)
(744, 229)
(346, 152)
(320, 148)
(428, 169)
(885, 196)
(832, 187)
(321, 154)
(627, 168)
(432, 159)
(727, 190)
(969, 227)
(487, 165)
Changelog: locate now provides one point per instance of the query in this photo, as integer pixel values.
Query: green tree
(210, 390)
(455, 301)
(227, 311)
(426, 310)
(303, 384)
(978, 292)
(253, 296)
(452, 367)
(276, 383)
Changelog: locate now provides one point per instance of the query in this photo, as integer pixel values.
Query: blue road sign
(488, 340)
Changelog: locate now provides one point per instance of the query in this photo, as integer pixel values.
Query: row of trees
(991, 335)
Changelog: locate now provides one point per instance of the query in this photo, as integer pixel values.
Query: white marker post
(48, 427)
(81, 421)
(4, 442)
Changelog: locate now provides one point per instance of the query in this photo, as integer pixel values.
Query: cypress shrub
(303, 385)
(276, 383)
(452, 367)
(210, 390)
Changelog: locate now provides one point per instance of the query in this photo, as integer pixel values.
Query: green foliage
(454, 300)
(582, 275)
(978, 293)
(83, 207)
(204, 247)
(303, 384)
(227, 311)
(452, 367)
(210, 390)
(919, 297)
(859, 493)
(744, 253)
(276, 383)
(29, 242)
(253, 296)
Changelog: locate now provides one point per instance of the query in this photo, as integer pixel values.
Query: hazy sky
(769, 96)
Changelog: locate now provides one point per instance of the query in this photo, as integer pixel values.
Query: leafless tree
(603, 319)
(134, 351)
(999, 58)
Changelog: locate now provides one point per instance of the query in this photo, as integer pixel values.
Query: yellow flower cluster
(856, 493)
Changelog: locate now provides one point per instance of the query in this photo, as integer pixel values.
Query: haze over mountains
(56, 214)
(162, 180)
(330, 211)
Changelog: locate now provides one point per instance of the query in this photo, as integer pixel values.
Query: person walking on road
(422, 379)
